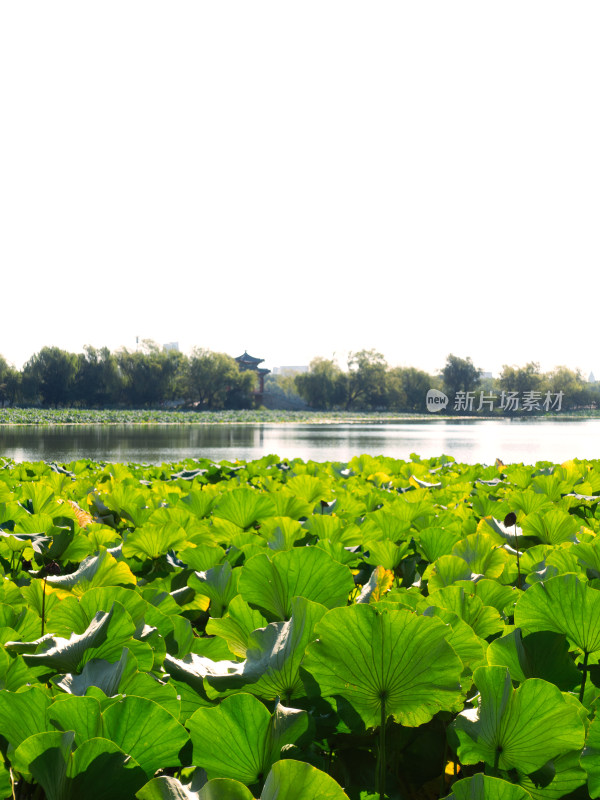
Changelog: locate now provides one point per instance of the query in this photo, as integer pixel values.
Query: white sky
(302, 179)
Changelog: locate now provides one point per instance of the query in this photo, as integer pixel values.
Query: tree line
(370, 383)
(146, 377)
(151, 376)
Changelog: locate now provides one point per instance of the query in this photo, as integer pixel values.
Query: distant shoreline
(11, 417)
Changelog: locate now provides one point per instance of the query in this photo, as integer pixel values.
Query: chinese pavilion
(247, 362)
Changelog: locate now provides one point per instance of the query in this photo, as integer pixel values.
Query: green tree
(98, 381)
(215, 380)
(460, 374)
(367, 371)
(281, 392)
(324, 386)
(50, 375)
(10, 381)
(149, 374)
(407, 388)
(521, 379)
(577, 392)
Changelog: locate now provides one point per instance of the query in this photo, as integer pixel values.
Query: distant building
(289, 370)
(591, 379)
(171, 346)
(246, 362)
(486, 375)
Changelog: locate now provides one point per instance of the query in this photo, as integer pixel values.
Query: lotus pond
(286, 629)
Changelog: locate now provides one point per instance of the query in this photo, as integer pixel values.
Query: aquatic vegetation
(289, 629)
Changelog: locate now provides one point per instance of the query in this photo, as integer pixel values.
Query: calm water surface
(468, 441)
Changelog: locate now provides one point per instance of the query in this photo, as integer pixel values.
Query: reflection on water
(468, 441)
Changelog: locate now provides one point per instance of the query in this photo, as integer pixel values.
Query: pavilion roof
(248, 359)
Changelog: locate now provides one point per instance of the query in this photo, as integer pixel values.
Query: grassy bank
(70, 416)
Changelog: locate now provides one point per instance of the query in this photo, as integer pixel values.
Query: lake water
(469, 441)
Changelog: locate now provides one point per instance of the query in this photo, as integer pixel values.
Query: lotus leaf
(517, 728)
(389, 663)
(272, 584)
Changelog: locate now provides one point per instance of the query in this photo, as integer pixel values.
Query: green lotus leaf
(274, 655)
(588, 555)
(152, 541)
(23, 714)
(437, 542)
(386, 553)
(167, 788)
(6, 789)
(39, 597)
(528, 501)
(79, 714)
(46, 756)
(23, 621)
(534, 556)
(146, 731)
(324, 526)
(553, 485)
(469, 647)
(296, 780)
(492, 593)
(336, 530)
(272, 584)
(178, 515)
(501, 533)
(566, 777)
(13, 671)
(590, 758)
(200, 501)
(100, 570)
(484, 787)
(18, 542)
(540, 655)
(237, 625)
(560, 560)
(281, 533)
(482, 554)
(142, 684)
(387, 525)
(349, 556)
(38, 497)
(219, 584)
(308, 488)
(202, 557)
(193, 669)
(385, 663)
(105, 637)
(97, 770)
(101, 770)
(97, 672)
(446, 571)
(224, 789)
(121, 677)
(243, 507)
(551, 527)
(73, 615)
(287, 780)
(517, 728)
(484, 620)
(288, 505)
(173, 633)
(254, 737)
(563, 604)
